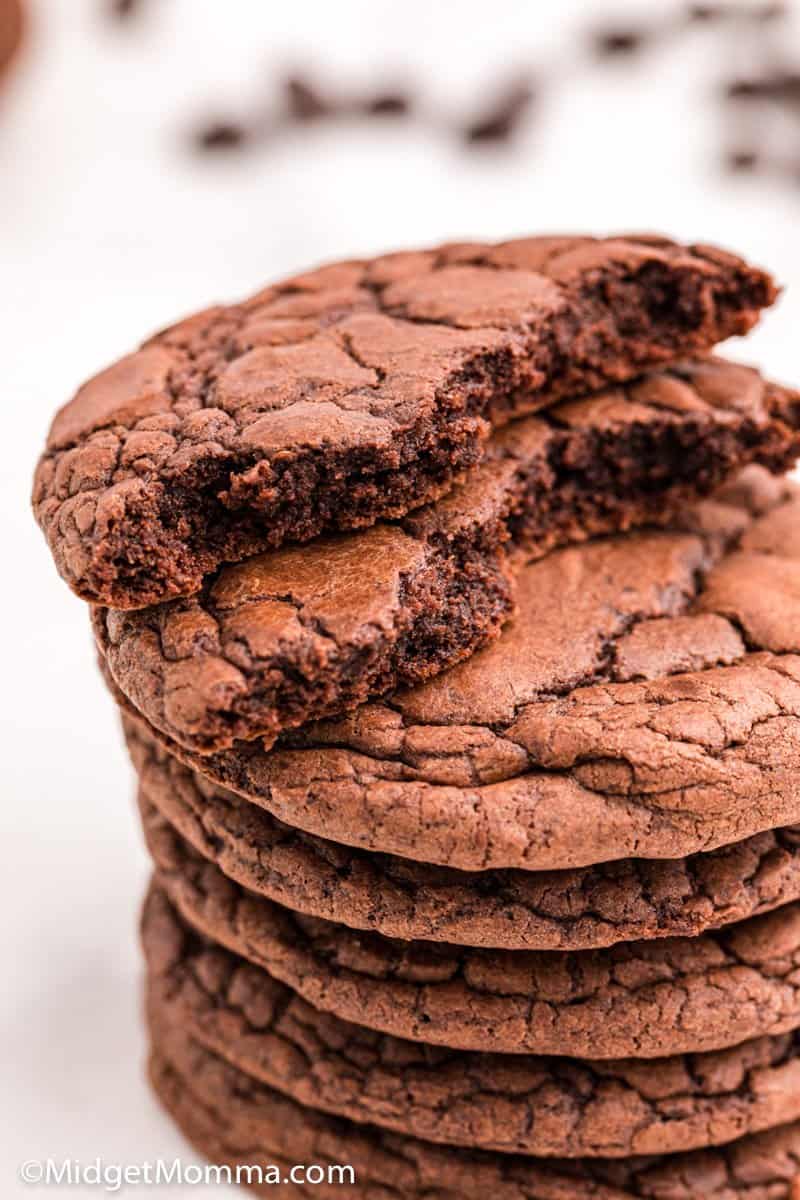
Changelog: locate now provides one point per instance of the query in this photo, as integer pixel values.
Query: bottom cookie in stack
(253, 1075)
(231, 1119)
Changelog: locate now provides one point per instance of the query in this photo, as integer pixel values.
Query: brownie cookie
(516, 910)
(232, 1118)
(11, 29)
(510, 1103)
(644, 702)
(354, 392)
(287, 637)
(634, 1000)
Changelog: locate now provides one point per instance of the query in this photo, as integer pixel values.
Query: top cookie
(354, 392)
(311, 631)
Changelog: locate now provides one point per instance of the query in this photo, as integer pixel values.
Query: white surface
(108, 230)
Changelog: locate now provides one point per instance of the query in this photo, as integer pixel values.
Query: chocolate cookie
(644, 702)
(11, 30)
(506, 1102)
(285, 638)
(233, 1119)
(516, 910)
(634, 1000)
(354, 392)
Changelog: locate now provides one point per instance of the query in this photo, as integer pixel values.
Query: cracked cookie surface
(311, 631)
(509, 1103)
(352, 392)
(566, 910)
(233, 1119)
(632, 1000)
(644, 702)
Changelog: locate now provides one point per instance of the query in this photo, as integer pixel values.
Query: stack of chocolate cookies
(452, 604)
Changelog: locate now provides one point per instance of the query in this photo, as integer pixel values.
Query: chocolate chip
(747, 89)
(304, 101)
(388, 104)
(706, 14)
(771, 12)
(783, 87)
(617, 43)
(500, 122)
(742, 160)
(122, 9)
(221, 135)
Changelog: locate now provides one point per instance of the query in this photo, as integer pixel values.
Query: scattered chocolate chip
(771, 12)
(122, 9)
(706, 14)
(388, 104)
(742, 160)
(500, 122)
(782, 87)
(747, 89)
(769, 88)
(618, 43)
(221, 135)
(304, 102)
(703, 13)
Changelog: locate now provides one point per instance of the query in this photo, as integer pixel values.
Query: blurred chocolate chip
(304, 102)
(618, 43)
(741, 160)
(705, 14)
(747, 89)
(122, 9)
(221, 135)
(387, 104)
(782, 87)
(770, 12)
(500, 122)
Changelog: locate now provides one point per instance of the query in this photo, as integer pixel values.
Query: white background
(110, 228)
